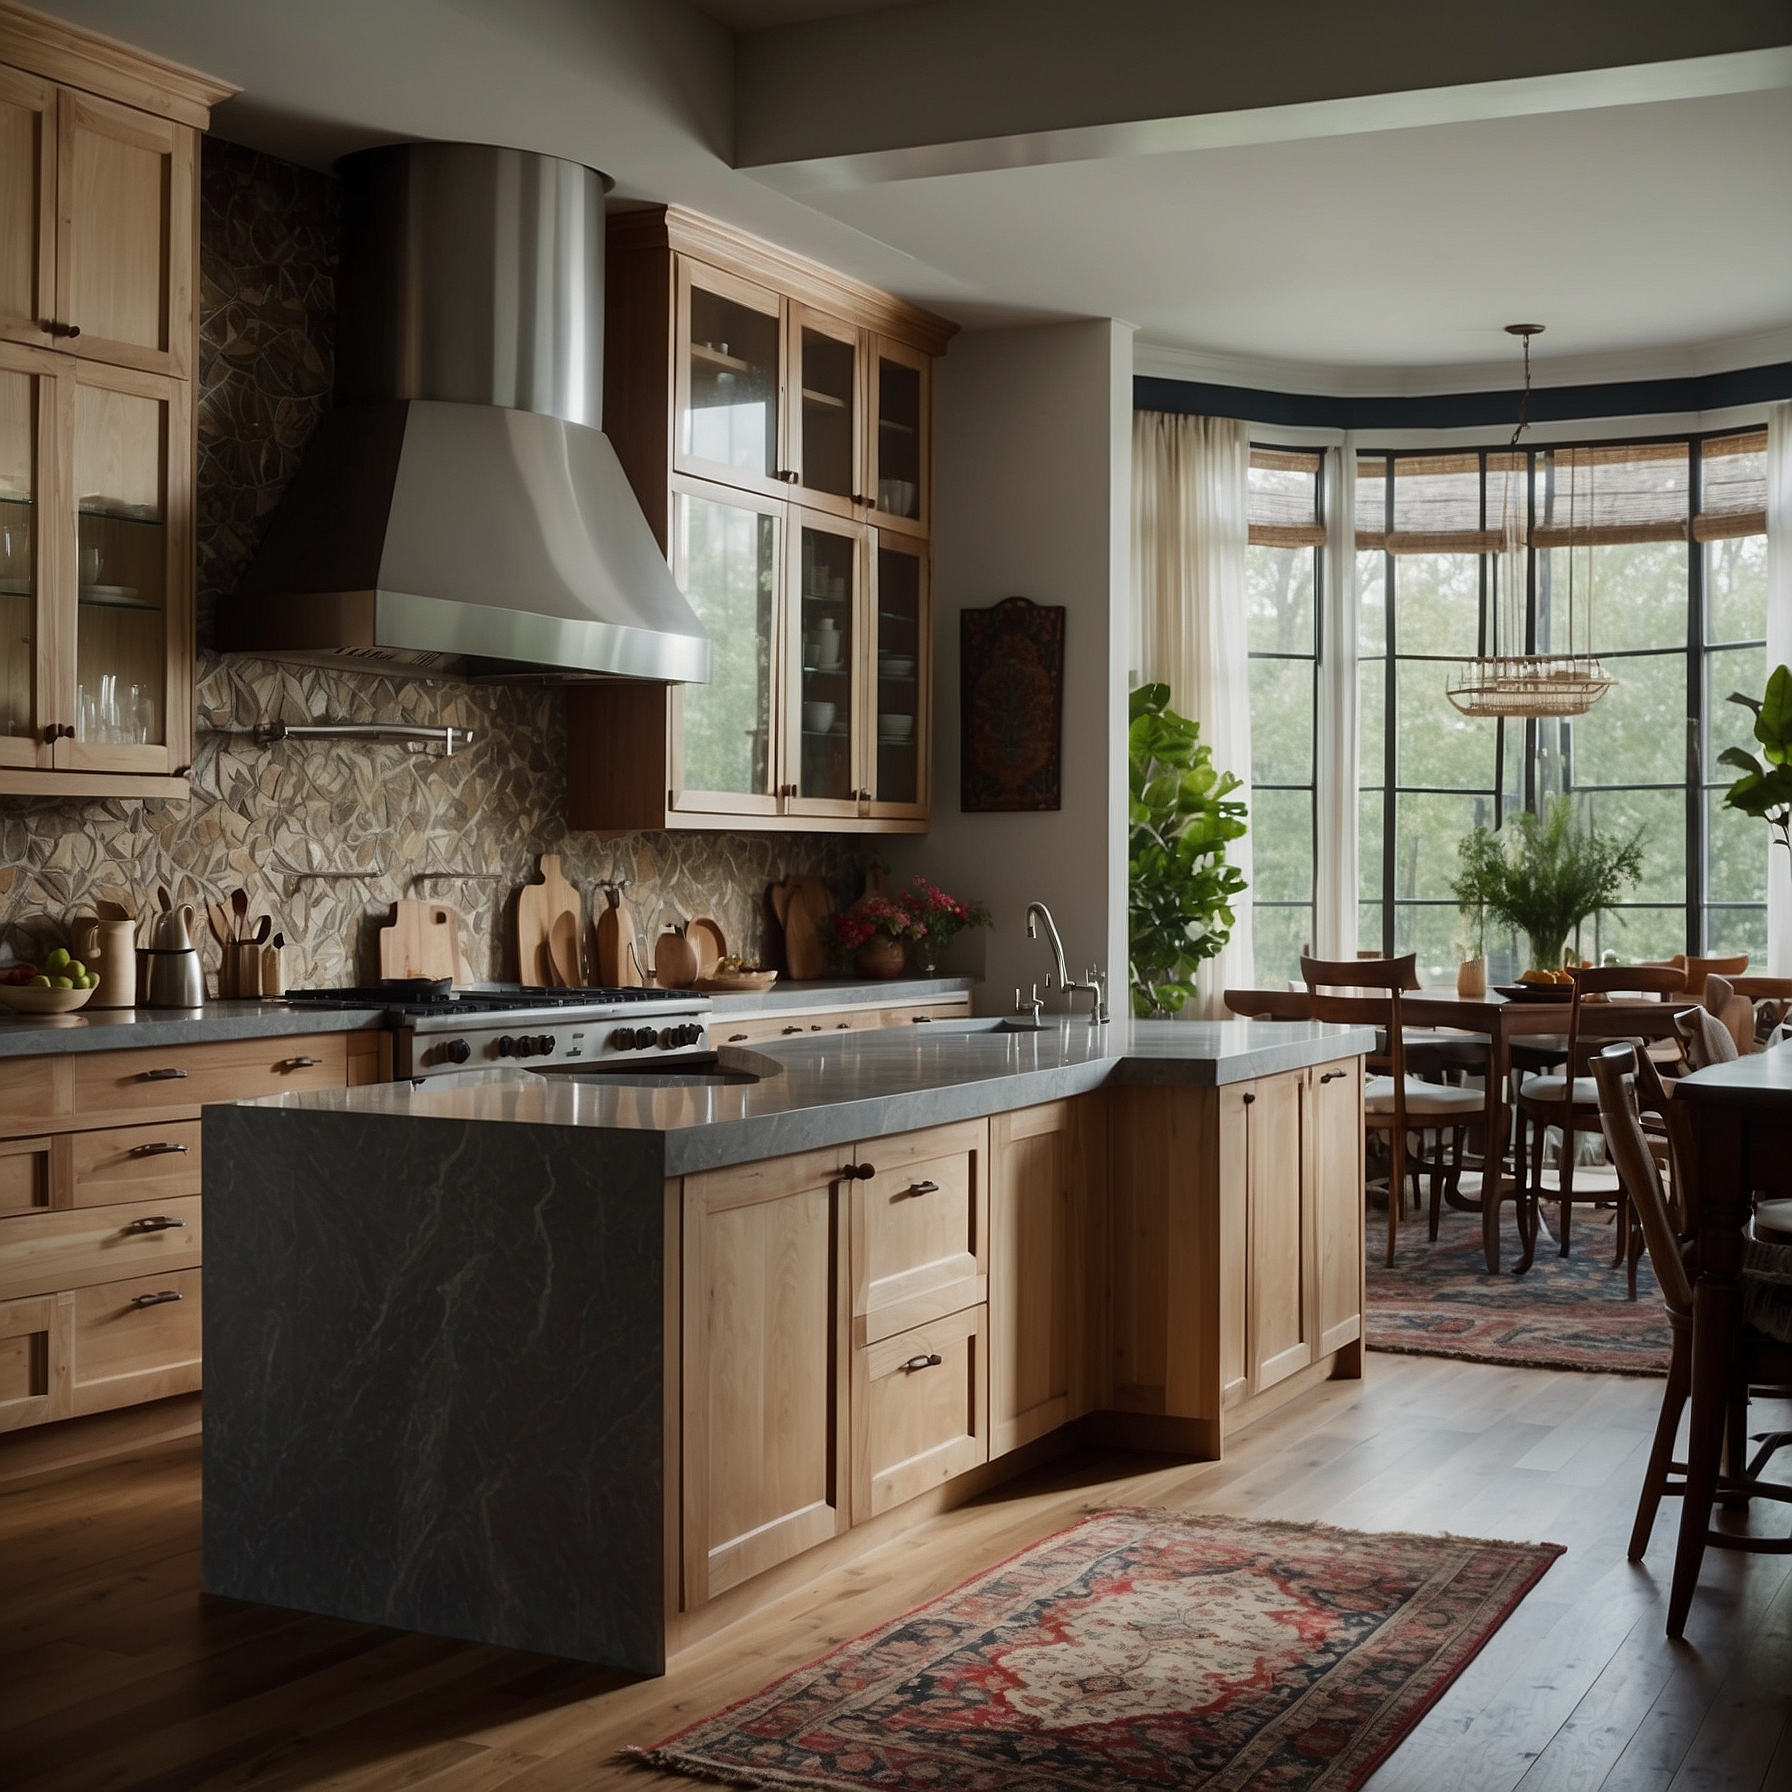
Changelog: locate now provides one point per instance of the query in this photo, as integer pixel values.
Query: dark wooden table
(1502, 1022)
(1742, 1126)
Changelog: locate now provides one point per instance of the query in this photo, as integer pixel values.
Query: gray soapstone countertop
(842, 992)
(113, 1029)
(817, 1093)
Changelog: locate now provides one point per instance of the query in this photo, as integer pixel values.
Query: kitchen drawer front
(34, 1359)
(135, 1082)
(920, 1411)
(25, 1175)
(920, 1230)
(131, 1341)
(28, 1090)
(135, 1163)
(79, 1247)
(911, 1013)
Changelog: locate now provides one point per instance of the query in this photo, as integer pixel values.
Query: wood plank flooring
(116, 1672)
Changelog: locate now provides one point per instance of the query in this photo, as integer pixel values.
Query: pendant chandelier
(1523, 685)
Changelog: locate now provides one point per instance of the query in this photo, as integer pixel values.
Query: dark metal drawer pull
(155, 1300)
(161, 1148)
(793, 1029)
(736, 1038)
(1331, 1076)
(299, 1063)
(169, 1075)
(922, 1362)
(923, 1188)
(857, 1173)
(923, 1020)
(154, 1222)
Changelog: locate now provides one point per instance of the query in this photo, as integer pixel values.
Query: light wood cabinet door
(1278, 1232)
(1032, 1242)
(125, 199)
(920, 1411)
(136, 1340)
(1335, 1178)
(36, 626)
(765, 1348)
(899, 434)
(27, 206)
(728, 381)
(898, 628)
(920, 1228)
(827, 676)
(826, 358)
(34, 1344)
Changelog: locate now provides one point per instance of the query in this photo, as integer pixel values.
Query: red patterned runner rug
(1136, 1648)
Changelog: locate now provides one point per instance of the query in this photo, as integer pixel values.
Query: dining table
(1501, 1020)
(1741, 1115)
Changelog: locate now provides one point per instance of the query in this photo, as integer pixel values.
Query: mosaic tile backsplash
(464, 830)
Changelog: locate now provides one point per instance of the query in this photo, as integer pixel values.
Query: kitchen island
(592, 1365)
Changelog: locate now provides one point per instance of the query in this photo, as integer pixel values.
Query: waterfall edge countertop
(810, 1094)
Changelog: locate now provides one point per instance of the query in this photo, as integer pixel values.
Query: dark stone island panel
(442, 1410)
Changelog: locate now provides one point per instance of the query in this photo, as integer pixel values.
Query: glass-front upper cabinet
(900, 427)
(130, 613)
(824, 727)
(24, 397)
(897, 778)
(27, 205)
(726, 557)
(828, 449)
(730, 382)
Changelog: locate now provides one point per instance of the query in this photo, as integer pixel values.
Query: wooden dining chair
(1568, 1100)
(1759, 1363)
(1698, 969)
(1393, 1101)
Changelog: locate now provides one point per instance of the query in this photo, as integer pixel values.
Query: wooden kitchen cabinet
(1335, 1172)
(920, 1410)
(98, 346)
(765, 1364)
(775, 422)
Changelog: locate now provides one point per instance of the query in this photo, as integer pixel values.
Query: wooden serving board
(539, 909)
(802, 905)
(423, 939)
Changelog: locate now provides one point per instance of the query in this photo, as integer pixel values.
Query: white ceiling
(1651, 238)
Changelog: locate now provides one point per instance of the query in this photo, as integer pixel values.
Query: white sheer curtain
(1779, 653)
(1190, 481)
(1335, 741)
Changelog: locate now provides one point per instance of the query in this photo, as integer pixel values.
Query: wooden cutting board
(802, 905)
(423, 939)
(618, 957)
(539, 909)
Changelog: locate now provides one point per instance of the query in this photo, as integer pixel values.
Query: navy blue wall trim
(1467, 410)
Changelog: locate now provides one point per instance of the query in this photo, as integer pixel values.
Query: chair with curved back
(1393, 1102)
(1568, 1100)
(1760, 1362)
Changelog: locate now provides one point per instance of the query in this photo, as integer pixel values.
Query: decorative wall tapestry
(1011, 706)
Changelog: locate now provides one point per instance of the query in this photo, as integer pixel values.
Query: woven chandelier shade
(1528, 685)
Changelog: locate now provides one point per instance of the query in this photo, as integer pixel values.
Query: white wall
(1032, 498)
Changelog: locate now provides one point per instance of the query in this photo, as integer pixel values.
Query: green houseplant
(1543, 875)
(1179, 886)
(1765, 791)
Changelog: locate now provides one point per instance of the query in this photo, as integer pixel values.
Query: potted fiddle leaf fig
(1179, 887)
(1543, 875)
(1765, 790)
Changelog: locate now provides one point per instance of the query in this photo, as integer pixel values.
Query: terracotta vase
(675, 960)
(879, 961)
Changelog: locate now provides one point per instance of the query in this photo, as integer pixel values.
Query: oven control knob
(507, 1047)
(623, 1039)
(457, 1050)
(545, 1044)
(646, 1038)
(690, 1034)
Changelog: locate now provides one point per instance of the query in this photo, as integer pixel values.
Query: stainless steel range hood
(461, 510)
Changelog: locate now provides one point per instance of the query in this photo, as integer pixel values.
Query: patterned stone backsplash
(464, 830)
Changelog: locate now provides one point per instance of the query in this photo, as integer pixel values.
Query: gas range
(438, 1029)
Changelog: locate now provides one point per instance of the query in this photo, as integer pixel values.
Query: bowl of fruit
(59, 985)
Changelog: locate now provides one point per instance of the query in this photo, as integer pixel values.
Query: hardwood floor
(116, 1672)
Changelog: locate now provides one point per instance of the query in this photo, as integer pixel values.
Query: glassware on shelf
(142, 714)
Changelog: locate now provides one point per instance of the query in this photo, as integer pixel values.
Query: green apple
(61, 983)
(75, 970)
(55, 961)
(39, 983)
(91, 980)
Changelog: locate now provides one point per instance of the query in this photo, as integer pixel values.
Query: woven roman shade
(1437, 503)
(1612, 495)
(1282, 502)
(1733, 481)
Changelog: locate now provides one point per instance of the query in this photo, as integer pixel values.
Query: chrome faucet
(1093, 984)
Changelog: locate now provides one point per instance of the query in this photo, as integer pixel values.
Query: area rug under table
(1562, 1313)
(1136, 1648)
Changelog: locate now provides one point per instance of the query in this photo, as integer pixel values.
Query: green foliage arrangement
(1543, 875)
(1180, 888)
(1765, 791)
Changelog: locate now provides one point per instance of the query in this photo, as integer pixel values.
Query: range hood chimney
(461, 509)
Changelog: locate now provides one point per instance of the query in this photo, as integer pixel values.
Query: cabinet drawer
(25, 1175)
(27, 1090)
(920, 1411)
(34, 1360)
(135, 1340)
(77, 1248)
(135, 1163)
(922, 1012)
(191, 1075)
(919, 1233)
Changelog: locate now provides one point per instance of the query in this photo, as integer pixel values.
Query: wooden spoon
(217, 917)
(239, 907)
